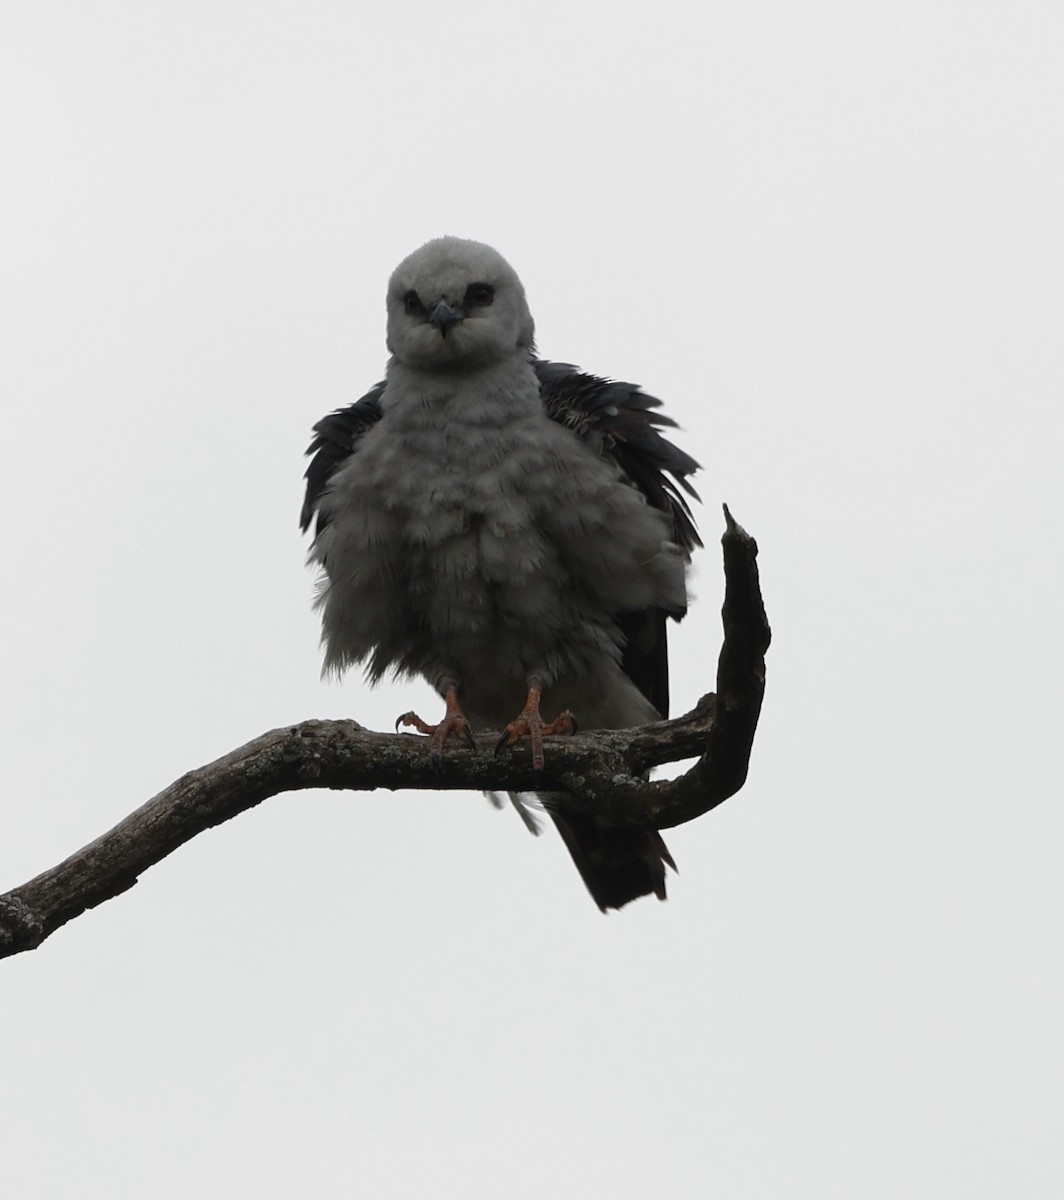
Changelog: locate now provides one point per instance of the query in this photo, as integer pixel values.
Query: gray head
(455, 303)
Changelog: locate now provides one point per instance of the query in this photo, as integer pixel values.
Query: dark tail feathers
(617, 864)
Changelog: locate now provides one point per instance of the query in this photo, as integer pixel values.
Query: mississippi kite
(505, 527)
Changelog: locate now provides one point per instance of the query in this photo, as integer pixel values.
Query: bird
(508, 528)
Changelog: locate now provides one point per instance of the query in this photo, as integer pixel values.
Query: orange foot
(529, 723)
(454, 721)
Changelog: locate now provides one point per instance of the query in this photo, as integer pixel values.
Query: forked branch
(604, 769)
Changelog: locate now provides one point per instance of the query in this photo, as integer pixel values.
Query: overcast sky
(829, 236)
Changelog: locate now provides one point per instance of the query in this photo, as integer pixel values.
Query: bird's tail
(615, 863)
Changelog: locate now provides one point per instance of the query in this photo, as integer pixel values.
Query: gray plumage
(492, 522)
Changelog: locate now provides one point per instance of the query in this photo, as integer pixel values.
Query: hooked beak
(444, 317)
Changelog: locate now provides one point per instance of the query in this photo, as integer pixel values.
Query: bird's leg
(454, 721)
(529, 722)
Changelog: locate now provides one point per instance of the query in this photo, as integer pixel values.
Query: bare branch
(603, 769)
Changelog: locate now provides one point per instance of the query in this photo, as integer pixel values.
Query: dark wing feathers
(620, 421)
(619, 418)
(337, 436)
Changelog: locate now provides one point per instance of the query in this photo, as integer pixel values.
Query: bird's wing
(621, 422)
(336, 439)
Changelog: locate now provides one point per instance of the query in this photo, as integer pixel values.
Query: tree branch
(603, 770)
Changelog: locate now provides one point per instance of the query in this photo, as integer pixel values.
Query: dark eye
(412, 304)
(479, 295)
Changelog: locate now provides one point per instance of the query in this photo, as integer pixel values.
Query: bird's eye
(412, 304)
(479, 295)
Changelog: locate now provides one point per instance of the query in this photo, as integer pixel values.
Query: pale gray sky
(829, 235)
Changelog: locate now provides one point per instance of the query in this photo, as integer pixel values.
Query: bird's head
(456, 304)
